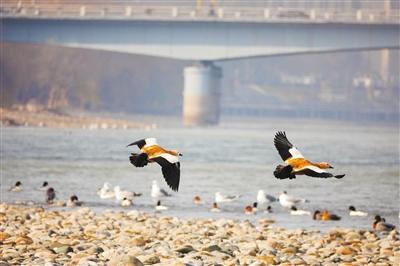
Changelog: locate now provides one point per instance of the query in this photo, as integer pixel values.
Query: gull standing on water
(157, 192)
(121, 194)
(222, 198)
(263, 198)
(167, 159)
(288, 201)
(105, 192)
(295, 164)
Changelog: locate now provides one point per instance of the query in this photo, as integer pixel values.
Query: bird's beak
(130, 144)
(330, 166)
(180, 154)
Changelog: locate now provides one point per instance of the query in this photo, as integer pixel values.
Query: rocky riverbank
(56, 119)
(35, 236)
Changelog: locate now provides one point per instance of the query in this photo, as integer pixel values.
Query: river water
(237, 157)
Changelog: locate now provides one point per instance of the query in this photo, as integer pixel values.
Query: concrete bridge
(203, 32)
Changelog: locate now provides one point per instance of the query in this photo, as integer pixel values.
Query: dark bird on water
(50, 195)
(167, 159)
(295, 163)
(381, 225)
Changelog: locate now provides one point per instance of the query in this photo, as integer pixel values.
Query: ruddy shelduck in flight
(295, 162)
(167, 159)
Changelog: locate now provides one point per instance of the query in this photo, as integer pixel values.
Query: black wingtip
(339, 176)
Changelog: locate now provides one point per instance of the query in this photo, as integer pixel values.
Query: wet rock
(211, 248)
(185, 249)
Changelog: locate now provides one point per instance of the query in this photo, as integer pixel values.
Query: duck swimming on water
(295, 163)
(381, 225)
(325, 216)
(354, 212)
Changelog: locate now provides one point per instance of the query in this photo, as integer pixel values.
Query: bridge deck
(370, 12)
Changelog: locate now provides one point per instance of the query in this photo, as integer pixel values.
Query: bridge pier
(201, 94)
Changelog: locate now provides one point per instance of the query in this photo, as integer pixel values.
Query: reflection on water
(237, 157)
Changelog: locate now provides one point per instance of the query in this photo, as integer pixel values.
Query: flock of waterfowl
(294, 164)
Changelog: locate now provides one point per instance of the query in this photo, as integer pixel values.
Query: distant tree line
(93, 80)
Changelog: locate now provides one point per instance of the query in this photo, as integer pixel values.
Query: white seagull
(105, 192)
(157, 192)
(121, 194)
(288, 201)
(263, 198)
(223, 198)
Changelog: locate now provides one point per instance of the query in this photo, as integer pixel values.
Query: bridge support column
(201, 94)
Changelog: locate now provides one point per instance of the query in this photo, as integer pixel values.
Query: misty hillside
(94, 80)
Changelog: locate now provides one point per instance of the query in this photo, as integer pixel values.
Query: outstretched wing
(170, 167)
(314, 171)
(138, 160)
(144, 142)
(285, 148)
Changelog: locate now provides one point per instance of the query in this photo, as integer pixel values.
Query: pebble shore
(32, 235)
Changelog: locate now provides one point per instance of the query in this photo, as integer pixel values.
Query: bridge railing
(191, 10)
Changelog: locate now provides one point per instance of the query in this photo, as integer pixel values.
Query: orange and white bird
(167, 159)
(295, 162)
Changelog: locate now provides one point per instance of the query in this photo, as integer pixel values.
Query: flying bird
(167, 159)
(295, 162)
